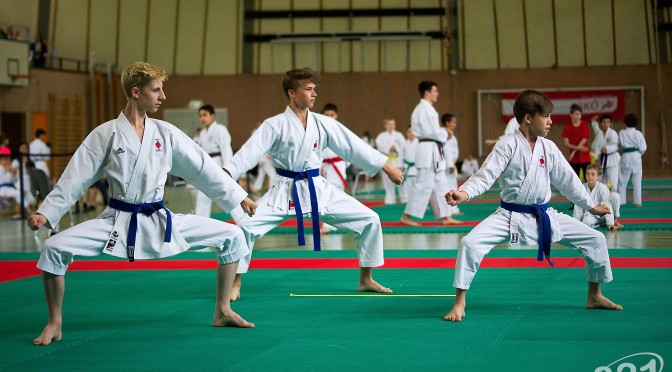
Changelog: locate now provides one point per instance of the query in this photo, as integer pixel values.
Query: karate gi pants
(631, 166)
(495, 229)
(430, 187)
(89, 238)
(343, 212)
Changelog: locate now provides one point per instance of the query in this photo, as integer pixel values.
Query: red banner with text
(592, 102)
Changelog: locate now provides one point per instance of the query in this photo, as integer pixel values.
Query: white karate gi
(631, 163)
(37, 146)
(431, 183)
(297, 149)
(451, 152)
(600, 194)
(334, 170)
(526, 178)
(264, 169)
(469, 167)
(9, 190)
(28, 197)
(608, 140)
(384, 143)
(137, 173)
(410, 171)
(216, 141)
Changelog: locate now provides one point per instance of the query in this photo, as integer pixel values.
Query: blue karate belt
(8, 185)
(315, 212)
(147, 209)
(603, 161)
(544, 222)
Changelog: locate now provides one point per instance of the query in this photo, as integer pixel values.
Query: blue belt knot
(315, 212)
(147, 209)
(544, 222)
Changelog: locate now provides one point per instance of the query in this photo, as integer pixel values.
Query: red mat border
(15, 269)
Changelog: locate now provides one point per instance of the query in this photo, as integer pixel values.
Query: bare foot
(601, 302)
(372, 286)
(406, 220)
(324, 230)
(456, 313)
(235, 291)
(613, 227)
(638, 205)
(230, 319)
(450, 221)
(458, 214)
(51, 332)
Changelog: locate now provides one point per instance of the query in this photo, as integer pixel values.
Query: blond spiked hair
(139, 74)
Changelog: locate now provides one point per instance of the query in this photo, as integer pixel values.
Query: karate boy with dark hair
(526, 164)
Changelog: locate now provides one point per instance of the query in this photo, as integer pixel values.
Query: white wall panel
(161, 38)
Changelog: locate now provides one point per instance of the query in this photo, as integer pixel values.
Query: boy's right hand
(249, 206)
(35, 221)
(454, 198)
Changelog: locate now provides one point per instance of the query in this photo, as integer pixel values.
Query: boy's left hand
(600, 210)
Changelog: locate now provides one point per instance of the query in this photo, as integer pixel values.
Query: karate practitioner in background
(600, 194)
(390, 142)
(295, 140)
(469, 167)
(605, 150)
(410, 172)
(137, 153)
(42, 151)
(451, 152)
(526, 164)
(511, 127)
(632, 144)
(216, 141)
(431, 182)
(333, 167)
(264, 169)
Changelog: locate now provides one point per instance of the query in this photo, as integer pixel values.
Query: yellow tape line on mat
(371, 295)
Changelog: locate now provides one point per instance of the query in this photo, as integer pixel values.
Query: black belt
(215, 154)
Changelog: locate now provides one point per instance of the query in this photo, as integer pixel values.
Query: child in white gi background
(390, 142)
(137, 153)
(333, 168)
(605, 148)
(409, 147)
(451, 151)
(295, 140)
(600, 194)
(215, 139)
(632, 144)
(526, 164)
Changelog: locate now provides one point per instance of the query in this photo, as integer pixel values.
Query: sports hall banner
(592, 102)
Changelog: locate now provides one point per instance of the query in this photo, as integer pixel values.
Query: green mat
(517, 319)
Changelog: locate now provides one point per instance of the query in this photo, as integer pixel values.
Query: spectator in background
(4, 141)
(39, 51)
(576, 135)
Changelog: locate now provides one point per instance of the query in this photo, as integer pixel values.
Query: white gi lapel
(116, 244)
(309, 142)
